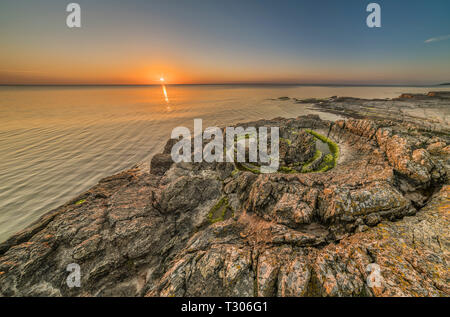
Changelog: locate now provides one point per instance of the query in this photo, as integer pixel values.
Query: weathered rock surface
(384, 208)
(430, 111)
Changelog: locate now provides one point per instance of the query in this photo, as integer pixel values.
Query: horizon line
(227, 84)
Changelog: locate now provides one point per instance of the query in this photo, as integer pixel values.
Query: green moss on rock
(220, 211)
(307, 167)
(330, 160)
(245, 167)
(79, 202)
(326, 163)
(289, 142)
(287, 170)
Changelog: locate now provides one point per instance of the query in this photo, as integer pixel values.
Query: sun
(162, 79)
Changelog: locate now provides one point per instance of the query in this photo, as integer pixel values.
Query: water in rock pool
(57, 142)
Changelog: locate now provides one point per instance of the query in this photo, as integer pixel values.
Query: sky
(232, 41)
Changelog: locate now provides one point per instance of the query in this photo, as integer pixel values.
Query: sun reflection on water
(166, 98)
(165, 93)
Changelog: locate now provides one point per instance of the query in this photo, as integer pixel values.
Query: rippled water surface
(56, 142)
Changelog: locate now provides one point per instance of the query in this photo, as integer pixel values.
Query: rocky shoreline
(212, 229)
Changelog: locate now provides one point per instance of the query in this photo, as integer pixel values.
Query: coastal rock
(296, 147)
(429, 113)
(376, 224)
(160, 164)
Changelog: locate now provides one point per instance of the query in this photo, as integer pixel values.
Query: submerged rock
(377, 224)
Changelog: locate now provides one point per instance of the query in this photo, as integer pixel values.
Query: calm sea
(56, 142)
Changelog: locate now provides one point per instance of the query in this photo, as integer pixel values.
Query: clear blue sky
(211, 41)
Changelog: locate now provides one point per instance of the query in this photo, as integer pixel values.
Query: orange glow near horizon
(176, 72)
